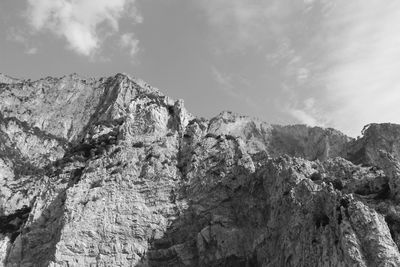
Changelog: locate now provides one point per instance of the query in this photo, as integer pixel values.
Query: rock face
(110, 172)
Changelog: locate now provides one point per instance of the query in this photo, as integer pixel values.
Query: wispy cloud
(362, 63)
(226, 82)
(253, 24)
(342, 54)
(303, 117)
(18, 36)
(84, 24)
(31, 51)
(272, 28)
(129, 41)
(306, 112)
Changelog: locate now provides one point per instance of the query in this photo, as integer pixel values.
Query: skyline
(316, 62)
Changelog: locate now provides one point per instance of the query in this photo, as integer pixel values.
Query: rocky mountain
(111, 172)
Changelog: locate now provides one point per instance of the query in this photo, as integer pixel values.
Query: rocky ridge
(111, 172)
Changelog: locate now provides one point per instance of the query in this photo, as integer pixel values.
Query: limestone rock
(111, 172)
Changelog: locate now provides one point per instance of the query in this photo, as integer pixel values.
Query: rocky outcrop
(110, 172)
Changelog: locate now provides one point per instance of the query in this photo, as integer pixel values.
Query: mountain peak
(111, 172)
(65, 106)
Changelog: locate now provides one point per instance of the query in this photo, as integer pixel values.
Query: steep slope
(110, 172)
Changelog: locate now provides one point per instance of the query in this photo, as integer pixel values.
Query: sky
(328, 63)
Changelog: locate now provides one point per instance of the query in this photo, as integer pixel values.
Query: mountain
(111, 172)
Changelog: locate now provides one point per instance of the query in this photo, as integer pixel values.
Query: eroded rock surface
(111, 172)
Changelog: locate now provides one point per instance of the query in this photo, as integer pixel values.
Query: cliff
(111, 172)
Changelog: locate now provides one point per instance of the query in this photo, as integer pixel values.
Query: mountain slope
(111, 172)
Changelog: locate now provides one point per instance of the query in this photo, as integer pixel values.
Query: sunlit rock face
(111, 172)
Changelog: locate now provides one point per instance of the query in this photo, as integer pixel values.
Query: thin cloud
(271, 27)
(31, 51)
(343, 54)
(363, 51)
(129, 41)
(307, 114)
(22, 38)
(227, 84)
(243, 24)
(80, 22)
(303, 117)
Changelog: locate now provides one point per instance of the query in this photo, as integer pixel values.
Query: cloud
(129, 41)
(361, 77)
(302, 75)
(18, 36)
(84, 24)
(227, 84)
(31, 51)
(307, 114)
(282, 52)
(303, 117)
(343, 54)
(271, 28)
(243, 24)
(349, 66)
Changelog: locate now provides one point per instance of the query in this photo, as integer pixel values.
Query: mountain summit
(111, 172)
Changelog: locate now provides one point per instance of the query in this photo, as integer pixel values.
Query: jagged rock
(110, 172)
(5, 79)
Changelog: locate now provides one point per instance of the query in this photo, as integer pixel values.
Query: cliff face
(110, 172)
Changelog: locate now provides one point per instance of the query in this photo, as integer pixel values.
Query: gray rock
(111, 172)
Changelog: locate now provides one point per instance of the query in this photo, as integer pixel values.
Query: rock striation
(111, 172)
